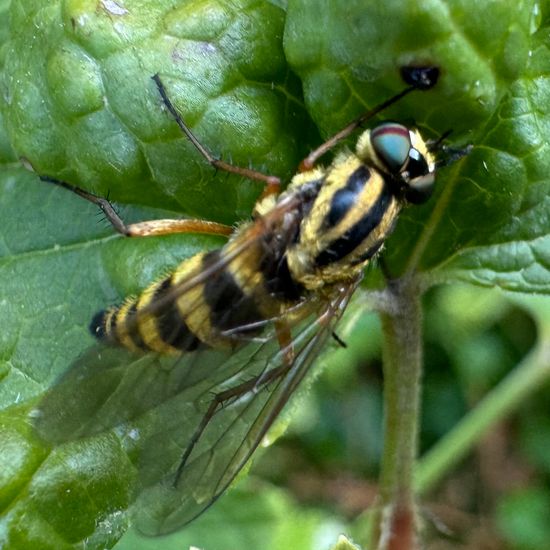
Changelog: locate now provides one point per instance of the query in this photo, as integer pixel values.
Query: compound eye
(392, 143)
(417, 165)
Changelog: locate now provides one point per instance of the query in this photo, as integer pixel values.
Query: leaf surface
(79, 104)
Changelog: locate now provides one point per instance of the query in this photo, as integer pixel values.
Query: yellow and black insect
(194, 371)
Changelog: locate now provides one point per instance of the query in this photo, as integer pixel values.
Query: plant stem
(532, 373)
(402, 354)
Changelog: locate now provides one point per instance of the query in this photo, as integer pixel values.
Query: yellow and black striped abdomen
(139, 325)
(218, 299)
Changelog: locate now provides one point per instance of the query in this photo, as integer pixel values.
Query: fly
(202, 362)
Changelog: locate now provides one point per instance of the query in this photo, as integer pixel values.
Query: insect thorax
(357, 205)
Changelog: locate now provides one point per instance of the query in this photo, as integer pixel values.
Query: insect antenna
(448, 155)
(437, 145)
(271, 182)
(418, 78)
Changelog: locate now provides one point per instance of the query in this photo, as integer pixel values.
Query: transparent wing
(107, 386)
(232, 434)
(191, 422)
(157, 405)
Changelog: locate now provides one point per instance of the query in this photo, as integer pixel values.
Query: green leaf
(6, 152)
(354, 63)
(79, 104)
(254, 516)
(503, 239)
(488, 223)
(58, 266)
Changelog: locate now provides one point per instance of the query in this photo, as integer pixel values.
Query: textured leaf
(495, 230)
(81, 106)
(490, 219)
(56, 267)
(77, 101)
(480, 47)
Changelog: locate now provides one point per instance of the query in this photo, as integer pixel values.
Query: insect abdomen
(165, 331)
(219, 310)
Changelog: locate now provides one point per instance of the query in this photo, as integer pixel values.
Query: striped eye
(391, 143)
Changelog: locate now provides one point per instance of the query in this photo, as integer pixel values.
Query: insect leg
(272, 183)
(170, 226)
(147, 228)
(222, 399)
(313, 157)
(104, 205)
(418, 78)
(284, 338)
